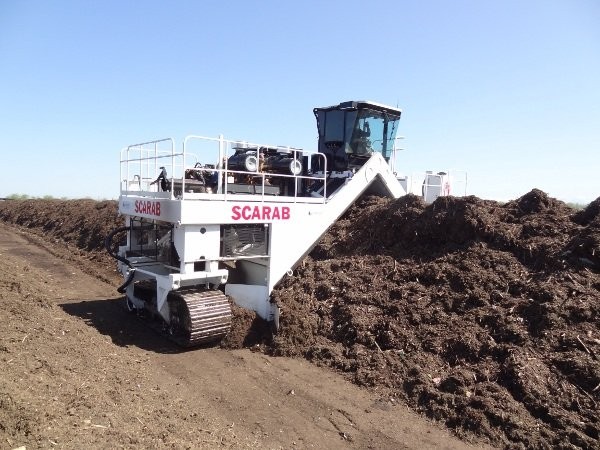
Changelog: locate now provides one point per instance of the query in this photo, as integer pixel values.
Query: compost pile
(483, 316)
(79, 225)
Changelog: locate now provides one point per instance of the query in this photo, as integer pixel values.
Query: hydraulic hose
(121, 289)
(108, 245)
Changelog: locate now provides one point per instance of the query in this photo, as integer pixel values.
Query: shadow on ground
(110, 318)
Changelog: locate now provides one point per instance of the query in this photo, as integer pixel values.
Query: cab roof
(362, 104)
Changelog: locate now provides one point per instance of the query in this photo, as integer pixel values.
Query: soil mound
(81, 225)
(484, 316)
(589, 214)
(479, 314)
(536, 201)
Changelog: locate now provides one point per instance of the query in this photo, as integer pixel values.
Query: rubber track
(198, 317)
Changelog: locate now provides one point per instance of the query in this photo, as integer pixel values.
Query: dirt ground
(77, 371)
(481, 317)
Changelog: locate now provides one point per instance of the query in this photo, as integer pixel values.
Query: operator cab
(351, 131)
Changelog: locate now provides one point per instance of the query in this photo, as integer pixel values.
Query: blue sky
(508, 91)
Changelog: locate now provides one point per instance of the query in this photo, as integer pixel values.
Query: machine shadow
(110, 318)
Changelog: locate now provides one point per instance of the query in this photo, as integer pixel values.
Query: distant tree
(577, 206)
(18, 197)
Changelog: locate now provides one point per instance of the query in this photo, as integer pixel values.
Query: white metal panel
(251, 297)
(291, 240)
(195, 242)
(155, 208)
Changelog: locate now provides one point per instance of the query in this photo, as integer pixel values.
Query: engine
(277, 166)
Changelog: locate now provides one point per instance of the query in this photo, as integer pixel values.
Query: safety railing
(140, 164)
(216, 168)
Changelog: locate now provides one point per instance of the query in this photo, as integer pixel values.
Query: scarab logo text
(147, 207)
(260, 212)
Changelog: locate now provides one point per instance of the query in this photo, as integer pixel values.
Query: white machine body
(291, 225)
(222, 213)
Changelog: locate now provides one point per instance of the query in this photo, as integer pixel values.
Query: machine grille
(244, 240)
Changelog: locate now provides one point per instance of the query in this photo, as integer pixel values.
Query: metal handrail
(145, 153)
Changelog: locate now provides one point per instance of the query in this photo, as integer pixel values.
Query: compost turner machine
(216, 219)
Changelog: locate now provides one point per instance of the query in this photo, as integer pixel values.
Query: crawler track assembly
(198, 316)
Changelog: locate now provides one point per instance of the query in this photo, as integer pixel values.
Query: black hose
(108, 245)
(121, 289)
